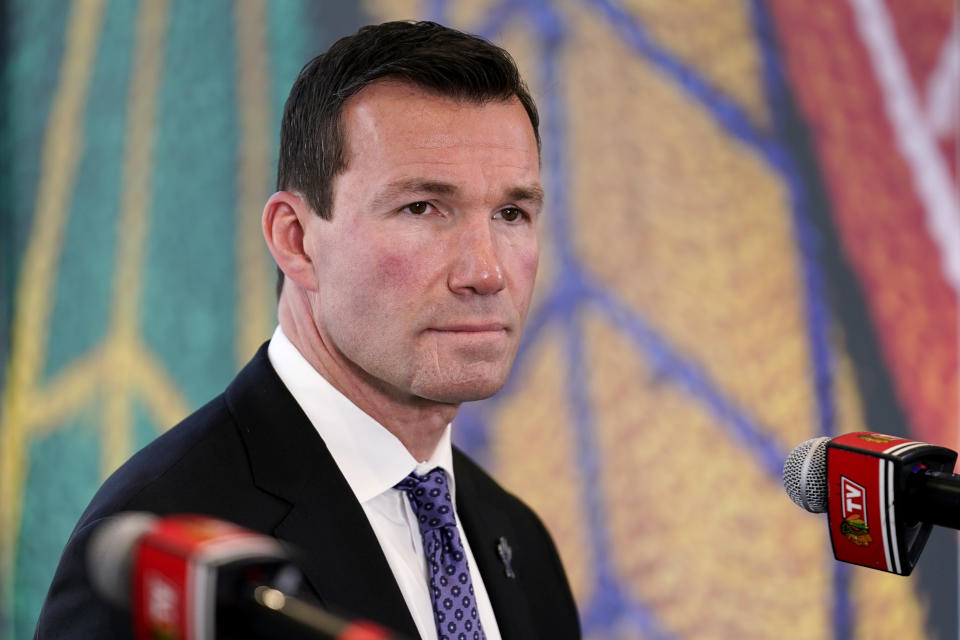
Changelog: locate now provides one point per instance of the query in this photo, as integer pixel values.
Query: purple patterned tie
(454, 605)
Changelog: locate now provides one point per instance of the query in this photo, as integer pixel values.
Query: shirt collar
(371, 458)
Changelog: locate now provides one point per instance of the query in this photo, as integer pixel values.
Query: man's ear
(285, 218)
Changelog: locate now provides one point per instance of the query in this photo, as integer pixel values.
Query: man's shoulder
(225, 460)
(157, 479)
(204, 440)
(200, 463)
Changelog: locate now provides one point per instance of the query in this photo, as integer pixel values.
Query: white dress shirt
(373, 460)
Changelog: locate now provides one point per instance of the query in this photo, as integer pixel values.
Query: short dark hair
(426, 54)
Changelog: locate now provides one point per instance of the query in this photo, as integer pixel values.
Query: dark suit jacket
(251, 457)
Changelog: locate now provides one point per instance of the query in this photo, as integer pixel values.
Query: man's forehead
(427, 118)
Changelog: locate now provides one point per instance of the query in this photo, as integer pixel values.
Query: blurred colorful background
(752, 238)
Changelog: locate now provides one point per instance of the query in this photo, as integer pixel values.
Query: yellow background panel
(535, 456)
(463, 15)
(887, 605)
(690, 228)
(716, 37)
(470, 15)
(701, 533)
(385, 10)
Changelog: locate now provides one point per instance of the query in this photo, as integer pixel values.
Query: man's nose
(476, 261)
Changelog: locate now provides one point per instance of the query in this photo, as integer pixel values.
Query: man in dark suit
(405, 231)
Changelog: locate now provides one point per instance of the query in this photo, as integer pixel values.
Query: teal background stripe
(78, 322)
(193, 201)
(191, 221)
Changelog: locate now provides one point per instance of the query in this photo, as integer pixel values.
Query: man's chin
(460, 391)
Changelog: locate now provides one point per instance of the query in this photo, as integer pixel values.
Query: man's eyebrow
(533, 192)
(415, 185)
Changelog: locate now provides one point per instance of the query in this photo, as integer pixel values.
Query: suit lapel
(339, 553)
(344, 562)
(485, 525)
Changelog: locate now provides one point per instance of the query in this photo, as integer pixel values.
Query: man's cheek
(401, 270)
(527, 265)
(380, 286)
(393, 269)
(531, 263)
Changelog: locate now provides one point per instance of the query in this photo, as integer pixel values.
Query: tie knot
(430, 498)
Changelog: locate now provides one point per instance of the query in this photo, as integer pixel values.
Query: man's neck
(417, 422)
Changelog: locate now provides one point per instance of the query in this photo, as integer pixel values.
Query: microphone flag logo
(854, 525)
(876, 437)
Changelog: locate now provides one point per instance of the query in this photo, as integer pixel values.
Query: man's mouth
(485, 327)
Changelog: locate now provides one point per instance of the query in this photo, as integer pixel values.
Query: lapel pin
(506, 554)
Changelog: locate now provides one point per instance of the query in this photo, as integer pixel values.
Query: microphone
(882, 495)
(198, 578)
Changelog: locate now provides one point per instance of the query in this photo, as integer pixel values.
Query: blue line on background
(736, 122)
(809, 244)
(436, 11)
(727, 113)
(497, 17)
(605, 605)
(808, 240)
(667, 363)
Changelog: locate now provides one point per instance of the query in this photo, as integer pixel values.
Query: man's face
(426, 269)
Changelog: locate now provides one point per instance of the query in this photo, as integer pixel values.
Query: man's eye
(417, 208)
(511, 214)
